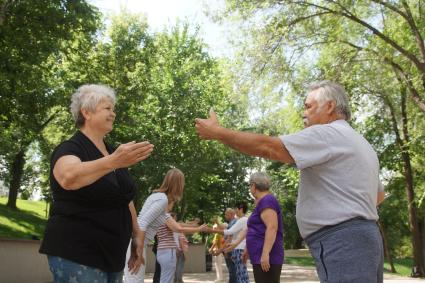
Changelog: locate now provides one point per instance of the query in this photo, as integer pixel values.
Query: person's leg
(139, 277)
(350, 252)
(65, 271)
(215, 267)
(219, 266)
(276, 271)
(157, 274)
(179, 267)
(271, 276)
(259, 275)
(240, 267)
(230, 267)
(167, 260)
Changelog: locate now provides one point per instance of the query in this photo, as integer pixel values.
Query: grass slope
(28, 221)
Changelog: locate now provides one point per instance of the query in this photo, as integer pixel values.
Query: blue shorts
(351, 251)
(66, 271)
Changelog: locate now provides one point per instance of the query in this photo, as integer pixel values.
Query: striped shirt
(166, 238)
(153, 215)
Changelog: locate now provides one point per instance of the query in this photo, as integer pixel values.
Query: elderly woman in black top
(92, 216)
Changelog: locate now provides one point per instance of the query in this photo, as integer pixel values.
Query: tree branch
(347, 14)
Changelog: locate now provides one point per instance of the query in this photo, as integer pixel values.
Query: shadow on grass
(24, 224)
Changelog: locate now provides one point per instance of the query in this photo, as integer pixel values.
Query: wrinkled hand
(206, 229)
(228, 248)
(205, 127)
(202, 228)
(136, 256)
(265, 263)
(131, 153)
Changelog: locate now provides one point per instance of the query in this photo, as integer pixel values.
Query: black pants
(271, 276)
(157, 274)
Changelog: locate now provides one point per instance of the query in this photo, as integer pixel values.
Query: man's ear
(330, 107)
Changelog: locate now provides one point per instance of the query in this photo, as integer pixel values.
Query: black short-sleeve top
(92, 225)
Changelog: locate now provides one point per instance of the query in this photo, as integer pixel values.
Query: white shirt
(234, 231)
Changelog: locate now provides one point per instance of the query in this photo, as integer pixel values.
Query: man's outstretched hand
(206, 128)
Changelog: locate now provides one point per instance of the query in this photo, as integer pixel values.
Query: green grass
(403, 266)
(28, 221)
(302, 261)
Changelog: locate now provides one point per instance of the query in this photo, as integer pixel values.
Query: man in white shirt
(339, 183)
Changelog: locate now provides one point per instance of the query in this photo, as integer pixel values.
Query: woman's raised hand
(131, 153)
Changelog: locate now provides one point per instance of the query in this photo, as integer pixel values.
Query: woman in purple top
(264, 238)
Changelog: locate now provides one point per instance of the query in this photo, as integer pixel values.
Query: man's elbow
(277, 151)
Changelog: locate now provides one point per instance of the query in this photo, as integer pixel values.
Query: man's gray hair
(88, 97)
(261, 181)
(230, 210)
(330, 91)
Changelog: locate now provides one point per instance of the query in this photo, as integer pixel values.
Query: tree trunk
(403, 144)
(15, 182)
(421, 231)
(413, 219)
(418, 256)
(386, 249)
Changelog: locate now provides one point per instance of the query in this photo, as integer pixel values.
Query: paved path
(290, 273)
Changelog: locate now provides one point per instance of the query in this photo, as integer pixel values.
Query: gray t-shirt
(339, 175)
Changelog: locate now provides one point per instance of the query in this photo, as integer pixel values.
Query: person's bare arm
(248, 143)
(176, 227)
(233, 245)
(72, 173)
(380, 198)
(138, 238)
(381, 193)
(135, 225)
(269, 217)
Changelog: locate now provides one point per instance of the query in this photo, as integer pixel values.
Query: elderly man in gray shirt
(339, 183)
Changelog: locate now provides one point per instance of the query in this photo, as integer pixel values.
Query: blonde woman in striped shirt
(167, 247)
(152, 216)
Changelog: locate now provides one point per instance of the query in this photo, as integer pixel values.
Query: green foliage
(36, 36)
(163, 82)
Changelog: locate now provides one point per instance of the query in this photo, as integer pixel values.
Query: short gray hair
(230, 210)
(261, 181)
(87, 97)
(330, 91)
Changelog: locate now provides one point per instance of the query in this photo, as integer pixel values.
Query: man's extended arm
(248, 143)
